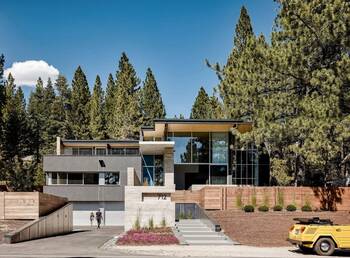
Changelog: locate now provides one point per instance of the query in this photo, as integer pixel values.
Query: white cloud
(26, 73)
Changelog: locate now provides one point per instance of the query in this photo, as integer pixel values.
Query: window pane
(200, 147)
(100, 151)
(91, 178)
(75, 178)
(148, 160)
(62, 178)
(219, 147)
(85, 151)
(218, 175)
(53, 178)
(111, 178)
(117, 151)
(147, 176)
(158, 161)
(159, 176)
(182, 148)
(75, 151)
(131, 151)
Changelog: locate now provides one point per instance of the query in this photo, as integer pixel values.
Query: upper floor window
(112, 178)
(82, 151)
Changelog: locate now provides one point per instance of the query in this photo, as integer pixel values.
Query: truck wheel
(305, 249)
(324, 246)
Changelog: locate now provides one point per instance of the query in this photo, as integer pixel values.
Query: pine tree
(62, 108)
(2, 91)
(37, 112)
(201, 108)
(151, 100)
(80, 105)
(19, 174)
(97, 111)
(127, 117)
(50, 128)
(243, 35)
(110, 103)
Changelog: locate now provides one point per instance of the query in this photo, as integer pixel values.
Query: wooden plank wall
(56, 223)
(28, 205)
(227, 198)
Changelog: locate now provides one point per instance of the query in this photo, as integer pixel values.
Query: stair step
(209, 233)
(209, 242)
(205, 238)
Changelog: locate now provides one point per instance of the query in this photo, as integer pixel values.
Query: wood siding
(227, 197)
(28, 205)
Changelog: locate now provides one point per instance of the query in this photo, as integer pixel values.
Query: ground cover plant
(147, 236)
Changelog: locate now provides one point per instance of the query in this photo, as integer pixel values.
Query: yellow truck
(319, 235)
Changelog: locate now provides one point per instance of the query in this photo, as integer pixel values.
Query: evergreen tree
(243, 35)
(151, 100)
(37, 112)
(201, 108)
(50, 127)
(80, 105)
(19, 174)
(110, 103)
(97, 115)
(62, 108)
(15, 126)
(2, 92)
(127, 117)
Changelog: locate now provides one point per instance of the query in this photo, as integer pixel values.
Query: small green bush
(239, 202)
(189, 215)
(264, 208)
(163, 223)
(306, 208)
(291, 207)
(151, 223)
(182, 215)
(137, 224)
(248, 208)
(277, 208)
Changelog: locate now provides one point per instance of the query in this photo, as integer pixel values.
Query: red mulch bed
(156, 236)
(10, 225)
(267, 228)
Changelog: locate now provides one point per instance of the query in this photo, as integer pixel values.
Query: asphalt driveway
(83, 242)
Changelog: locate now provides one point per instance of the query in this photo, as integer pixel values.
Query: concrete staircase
(195, 232)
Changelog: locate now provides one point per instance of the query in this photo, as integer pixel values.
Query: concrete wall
(56, 223)
(87, 192)
(65, 163)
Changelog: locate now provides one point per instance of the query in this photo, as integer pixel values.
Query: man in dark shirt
(98, 218)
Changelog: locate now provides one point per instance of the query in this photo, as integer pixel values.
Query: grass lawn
(267, 228)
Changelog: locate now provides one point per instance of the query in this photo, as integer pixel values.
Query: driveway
(83, 242)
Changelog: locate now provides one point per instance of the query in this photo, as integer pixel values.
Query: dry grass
(267, 228)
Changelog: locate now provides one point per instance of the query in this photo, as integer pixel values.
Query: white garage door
(113, 213)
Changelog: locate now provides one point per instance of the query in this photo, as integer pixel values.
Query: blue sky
(172, 37)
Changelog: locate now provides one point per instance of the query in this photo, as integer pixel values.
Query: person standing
(98, 218)
(92, 218)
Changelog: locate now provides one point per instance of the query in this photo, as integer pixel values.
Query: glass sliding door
(200, 147)
(218, 174)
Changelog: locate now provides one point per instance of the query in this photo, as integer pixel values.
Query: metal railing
(194, 211)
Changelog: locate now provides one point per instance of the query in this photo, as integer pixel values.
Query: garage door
(113, 213)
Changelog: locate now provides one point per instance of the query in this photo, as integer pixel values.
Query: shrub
(189, 215)
(239, 203)
(248, 208)
(253, 198)
(306, 207)
(151, 223)
(163, 222)
(264, 208)
(280, 197)
(182, 215)
(277, 208)
(291, 207)
(137, 225)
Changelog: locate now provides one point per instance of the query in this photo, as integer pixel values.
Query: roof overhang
(155, 147)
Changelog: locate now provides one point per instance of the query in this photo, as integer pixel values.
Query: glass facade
(219, 147)
(246, 168)
(152, 170)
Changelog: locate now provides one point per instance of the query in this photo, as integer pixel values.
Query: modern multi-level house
(172, 154)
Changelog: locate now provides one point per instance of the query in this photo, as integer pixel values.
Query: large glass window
(182, 152)
(75, 178)
(91, 179)
(152, 170)
(61, 178)
(200, 147)
(112, 178)
(245, 171)
(219, 148)
(101, 151)
(218, 174)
